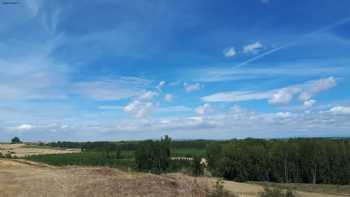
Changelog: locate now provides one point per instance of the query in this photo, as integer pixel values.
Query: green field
(84, 159)
(188, 152)
(126, 162)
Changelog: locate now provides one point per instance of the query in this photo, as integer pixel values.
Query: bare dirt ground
(30, 179)
(21, 150)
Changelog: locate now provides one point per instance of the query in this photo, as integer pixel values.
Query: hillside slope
(31, 179)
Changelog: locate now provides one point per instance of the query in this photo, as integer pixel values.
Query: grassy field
(126, 162)
(188, 152)
(85, 159)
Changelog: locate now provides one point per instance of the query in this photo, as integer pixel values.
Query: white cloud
(277, 96)
(24, 127)
(214, 74)
(252, 48)
(160, 85)
(148, 95)
(204, 109)
(112, 89)
(238, 122)
(314, 87)
(192, 87)
(230, 52)
(230, 122)
(284, 95)
(340, 110)
(168, 97)
(309, 103)
(236, 96)
(283, 114)
(139, 109)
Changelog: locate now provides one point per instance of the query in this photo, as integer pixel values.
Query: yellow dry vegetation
(21, 150)
(32, 179)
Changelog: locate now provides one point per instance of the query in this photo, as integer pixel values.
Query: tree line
(324, 161)
(300, 160)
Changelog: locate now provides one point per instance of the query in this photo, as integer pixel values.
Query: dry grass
(31, 179)
(22, 179)
(22, 150)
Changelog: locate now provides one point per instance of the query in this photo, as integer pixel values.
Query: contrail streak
(326, 28)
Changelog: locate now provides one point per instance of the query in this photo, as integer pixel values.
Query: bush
(16, 140)
(275, 192)
(197, 168)
(220, 191)
(8, 155)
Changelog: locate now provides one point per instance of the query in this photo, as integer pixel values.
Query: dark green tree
(16, 140)
(153, 156)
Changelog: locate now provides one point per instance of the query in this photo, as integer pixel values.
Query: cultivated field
(21, 150)
(31, 179)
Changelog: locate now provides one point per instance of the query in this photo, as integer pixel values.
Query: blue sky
(111, 70)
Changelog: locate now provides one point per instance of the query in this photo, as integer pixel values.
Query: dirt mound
(33, 180)
(148, 185)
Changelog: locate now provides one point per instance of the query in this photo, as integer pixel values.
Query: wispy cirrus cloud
(284, 95)
(113, 89)
(32, 77)
(295, 69)
(192, 87)
(340, 109)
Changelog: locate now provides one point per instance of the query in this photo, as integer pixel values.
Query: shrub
(219, 191)
(197, 168)
(8, 155)
(275, 192)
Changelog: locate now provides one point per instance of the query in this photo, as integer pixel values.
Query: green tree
(215, 156)
(16, 140)
(154, 156)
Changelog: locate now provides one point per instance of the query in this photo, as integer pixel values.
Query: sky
(200, 69)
